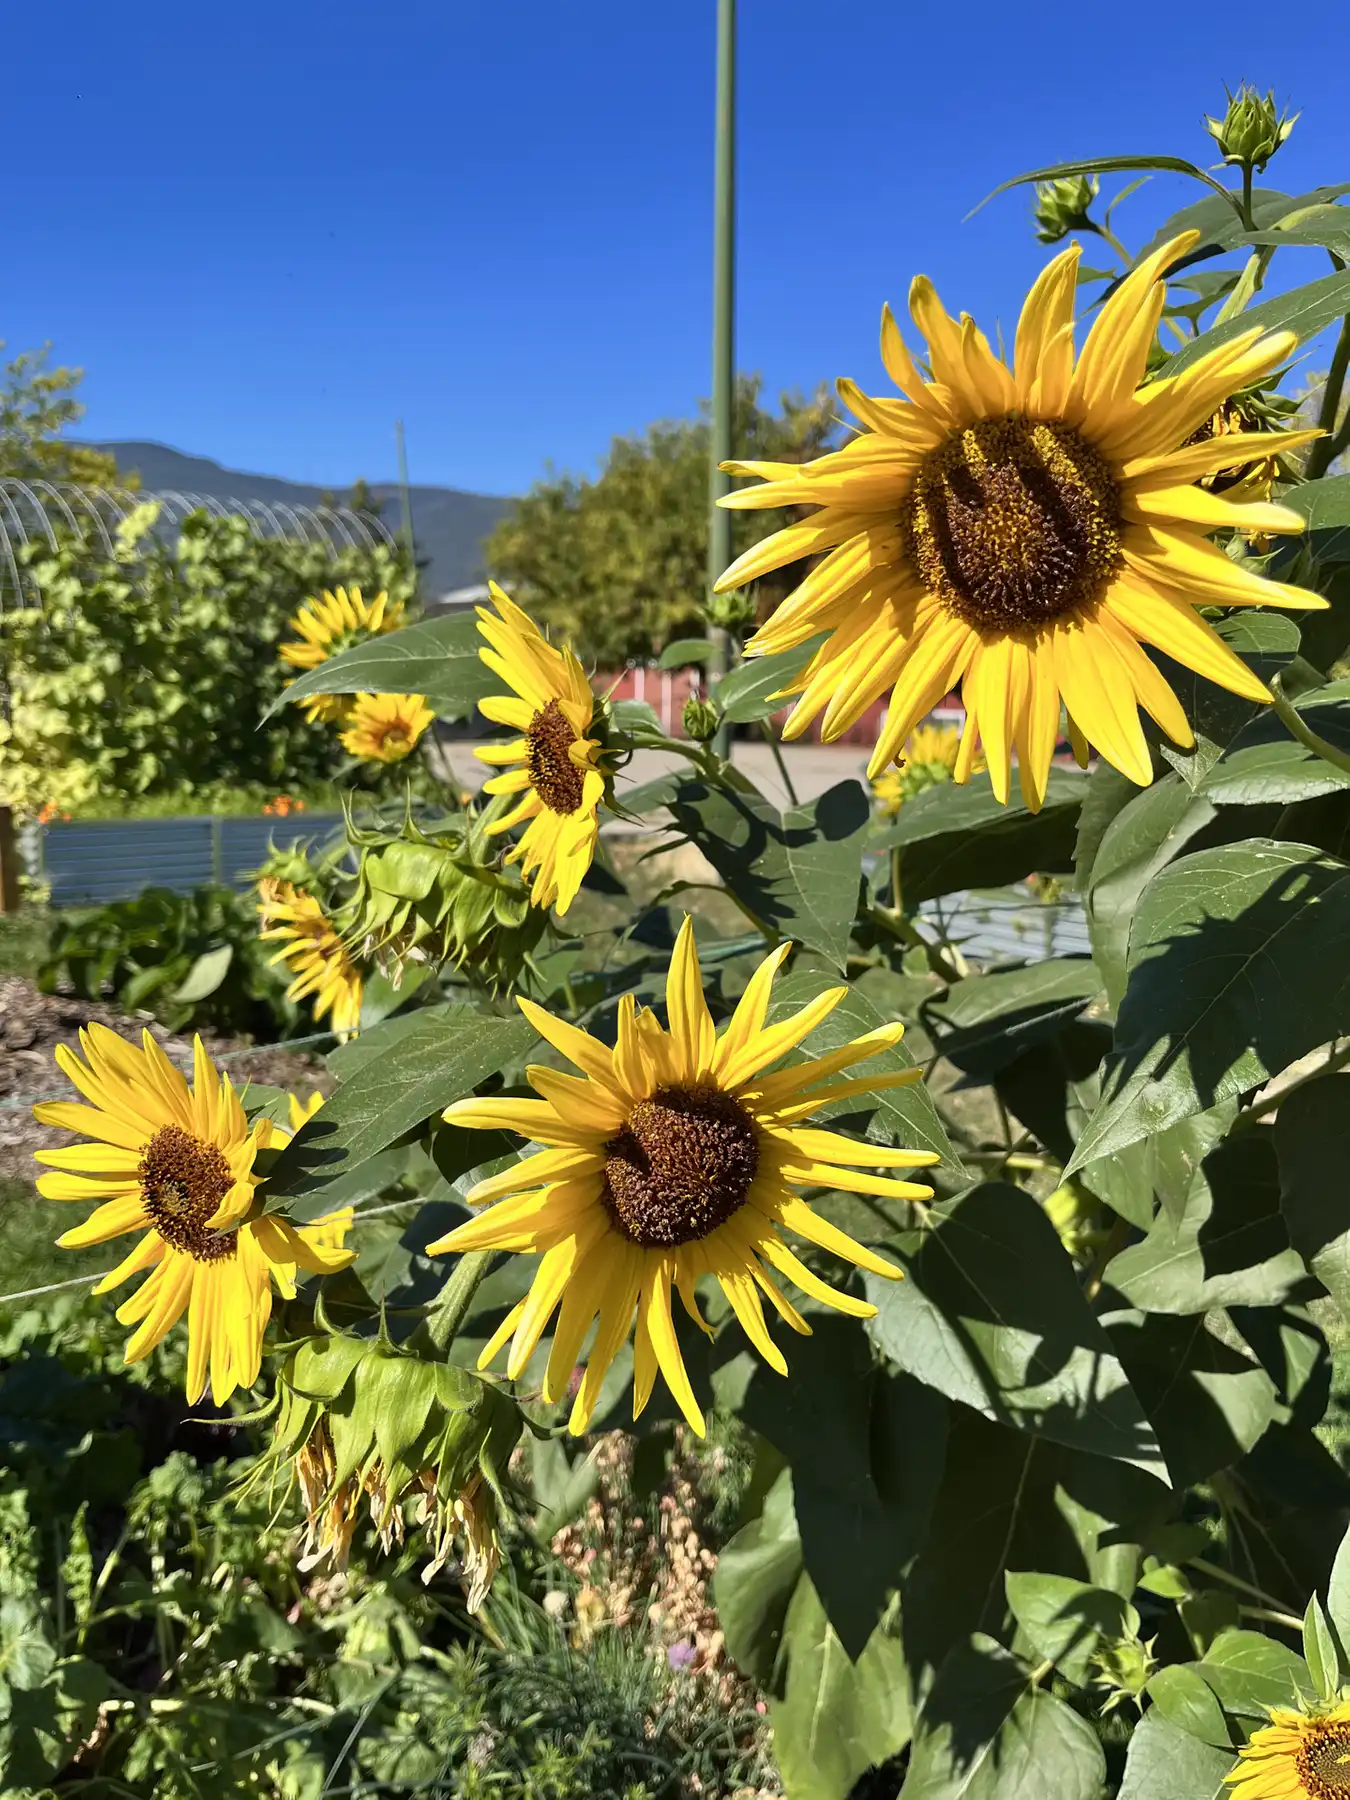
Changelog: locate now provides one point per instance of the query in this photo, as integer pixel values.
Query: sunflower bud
(732, 611)
(1124, 1669)
(440, 899)
(1062, 207)
(422, 1443)
(700, 718)
(1252, 129)
(1078, 1217)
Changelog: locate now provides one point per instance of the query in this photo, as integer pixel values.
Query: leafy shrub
(190, 959)
(145, 673)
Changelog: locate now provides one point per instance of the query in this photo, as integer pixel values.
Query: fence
(114, 859)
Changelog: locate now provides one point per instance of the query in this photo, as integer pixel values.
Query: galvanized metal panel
(90, 863)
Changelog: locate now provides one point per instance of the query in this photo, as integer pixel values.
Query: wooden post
(9, 862)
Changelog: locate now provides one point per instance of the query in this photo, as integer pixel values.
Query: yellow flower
(178, 1164)
(385, 727)
(675, 1157)
(313, 953)
(1298, 1756)
(327, 626)
(929, 757)
(1024, 531)
(560, 777)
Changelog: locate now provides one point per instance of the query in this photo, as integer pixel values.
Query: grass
(29, 1257)
(23, 940)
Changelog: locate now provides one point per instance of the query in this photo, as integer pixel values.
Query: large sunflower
(1298, 1756)
(313, 952)
(676, 1157)
(559, 778)
(178, 1164)
(329, 624)
(1024, 531)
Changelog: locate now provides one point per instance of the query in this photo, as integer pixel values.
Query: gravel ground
(33, 1024)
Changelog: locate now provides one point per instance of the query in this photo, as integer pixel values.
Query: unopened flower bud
(1252, 129)
(700, 718)
(1062, 206)
(733, 611)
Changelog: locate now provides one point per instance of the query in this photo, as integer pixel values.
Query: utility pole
(724, 334)
(405, 500)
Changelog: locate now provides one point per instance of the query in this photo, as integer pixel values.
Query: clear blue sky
(269, 229)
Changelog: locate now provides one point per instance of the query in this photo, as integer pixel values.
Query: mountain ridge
(449, 524)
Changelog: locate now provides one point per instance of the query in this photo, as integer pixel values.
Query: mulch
(32, 1024)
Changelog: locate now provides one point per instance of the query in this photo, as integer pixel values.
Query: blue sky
(270, 229)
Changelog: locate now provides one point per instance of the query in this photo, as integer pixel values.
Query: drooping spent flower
(555, 765)
(438, 899)
(1023, 533)
(674, 1156)
(363, 1420)
(178, 1164)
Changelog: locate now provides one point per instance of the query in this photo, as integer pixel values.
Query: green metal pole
(405, 500)
(724, 305)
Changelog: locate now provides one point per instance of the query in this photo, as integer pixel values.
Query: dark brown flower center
(1324, 1762)
(1014, 522)
(681, 1166)
(183, 1182)
(553, 775)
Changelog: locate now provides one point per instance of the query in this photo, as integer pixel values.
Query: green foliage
(618, 564)
(37, 403)
(142, 674)
(190, 959)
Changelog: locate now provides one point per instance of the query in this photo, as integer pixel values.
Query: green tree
(37, 403)
(619, 564)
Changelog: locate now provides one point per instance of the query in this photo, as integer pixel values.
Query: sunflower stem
(1324, 451)
(444, 1322)
(771, 737)
(1295, 724)
(1247, 218)
(1243, 1587)
(1337, 1059)
(1269, 1615)
(1105, 232)
(896, 888)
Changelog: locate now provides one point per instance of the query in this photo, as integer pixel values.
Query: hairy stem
(1324, 452)
(450, 1310)
(1298, 727)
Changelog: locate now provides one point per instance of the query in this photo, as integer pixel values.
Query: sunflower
(385, 727)
(675, 1157)
(327, 626)
(560, 777)
(178, 1164)
(1298, 1756)
(313, 953)
(929, 757)
(1024, 531)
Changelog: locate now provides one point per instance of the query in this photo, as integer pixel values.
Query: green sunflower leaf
(744, 694)
(1113, 165)
(906, 1115)
(798, 871)
(1304, 310)
(955, 838)
(438, 658)
(1166, 1763)
(991, 1314)
(986, 1732)
(436, 1057)
(1312, 1142)
(836, 1718)
(1236, 969)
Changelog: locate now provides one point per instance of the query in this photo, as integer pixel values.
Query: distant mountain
(449, 525)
